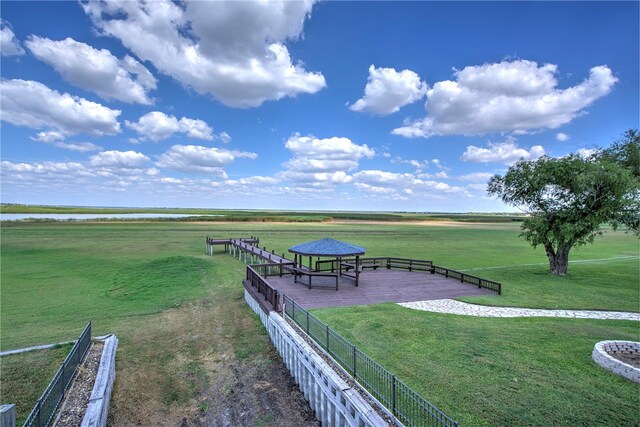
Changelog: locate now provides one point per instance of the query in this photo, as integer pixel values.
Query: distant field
(152, 285)
(222, 215)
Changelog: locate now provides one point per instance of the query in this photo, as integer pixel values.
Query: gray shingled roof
(327, 247)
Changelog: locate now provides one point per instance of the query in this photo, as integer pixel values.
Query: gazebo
(329, 248)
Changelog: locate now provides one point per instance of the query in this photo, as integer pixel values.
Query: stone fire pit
(620, 357)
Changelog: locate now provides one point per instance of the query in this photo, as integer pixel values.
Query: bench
(363, 265)
(311, 274)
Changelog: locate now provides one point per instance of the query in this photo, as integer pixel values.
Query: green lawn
(487, 372)
(26, 375)
(152, 285)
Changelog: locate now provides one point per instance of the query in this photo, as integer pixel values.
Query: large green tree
(568, 199)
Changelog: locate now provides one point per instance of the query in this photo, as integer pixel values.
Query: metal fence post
(355, 371)
(39, 412)
(393, 394)
(307, 322)
(328, 338)
(64, 367)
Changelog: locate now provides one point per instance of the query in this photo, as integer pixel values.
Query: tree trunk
(558, 259)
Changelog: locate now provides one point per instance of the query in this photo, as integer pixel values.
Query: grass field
(26, 375)
(184, 326)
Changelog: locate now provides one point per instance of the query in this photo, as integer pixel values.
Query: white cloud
(502, 152)
(388, 90)
(96, 70)
(234, 51)
(562, 137)
(32, 104)
(585, 153)
(398, 185)
(119, 159)
(476, 177)
(325, 161)
(196, 128)
(224, 137)
(198, 159)
(81, 147)
(156, 126)
(510, 96)
(383, 179)
(9, 44)
(438, 175)
(42, 168)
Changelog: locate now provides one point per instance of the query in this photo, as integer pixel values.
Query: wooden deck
(376, 286)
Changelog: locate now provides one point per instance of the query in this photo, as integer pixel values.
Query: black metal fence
(45, 409)
(407, 405)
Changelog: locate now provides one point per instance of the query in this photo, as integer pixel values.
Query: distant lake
(80, 217)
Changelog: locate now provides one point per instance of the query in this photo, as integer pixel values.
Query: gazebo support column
(357, 269)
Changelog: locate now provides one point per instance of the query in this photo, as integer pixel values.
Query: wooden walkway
(377, 286)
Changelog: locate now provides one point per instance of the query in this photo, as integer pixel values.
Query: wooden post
(357, 269)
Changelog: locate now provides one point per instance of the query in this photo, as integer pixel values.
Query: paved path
(462, 308)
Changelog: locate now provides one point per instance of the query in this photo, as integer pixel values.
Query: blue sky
(401, 106)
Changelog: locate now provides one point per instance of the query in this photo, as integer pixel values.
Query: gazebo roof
(327, 247)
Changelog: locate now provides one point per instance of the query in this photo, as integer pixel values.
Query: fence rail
(405, 404)
(412, 265)
(377, 262)
(46, 406)
(258, 280)
(469, 278)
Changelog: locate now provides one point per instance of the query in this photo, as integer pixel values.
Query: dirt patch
(78, 397)
(207, 363)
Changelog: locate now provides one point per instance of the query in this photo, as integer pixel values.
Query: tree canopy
(569, 198)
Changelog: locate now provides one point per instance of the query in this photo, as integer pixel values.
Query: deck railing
(45, 408)
(257, 274)
(412, 265)
(377, 262)
(405, 404)
(469, 278)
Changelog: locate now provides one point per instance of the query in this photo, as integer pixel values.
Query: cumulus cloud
(383, 178)
(96, 70)
(388, 90)
(57, 140)
(198, 159)
(234, 51)
(32, 104)
(9, 44)
(562, 137)
(119, 159)
(156, 126)
(398, 185)
(507, 153)
(323, 160)
(510, 96)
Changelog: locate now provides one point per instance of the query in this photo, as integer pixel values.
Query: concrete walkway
(451, 306)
